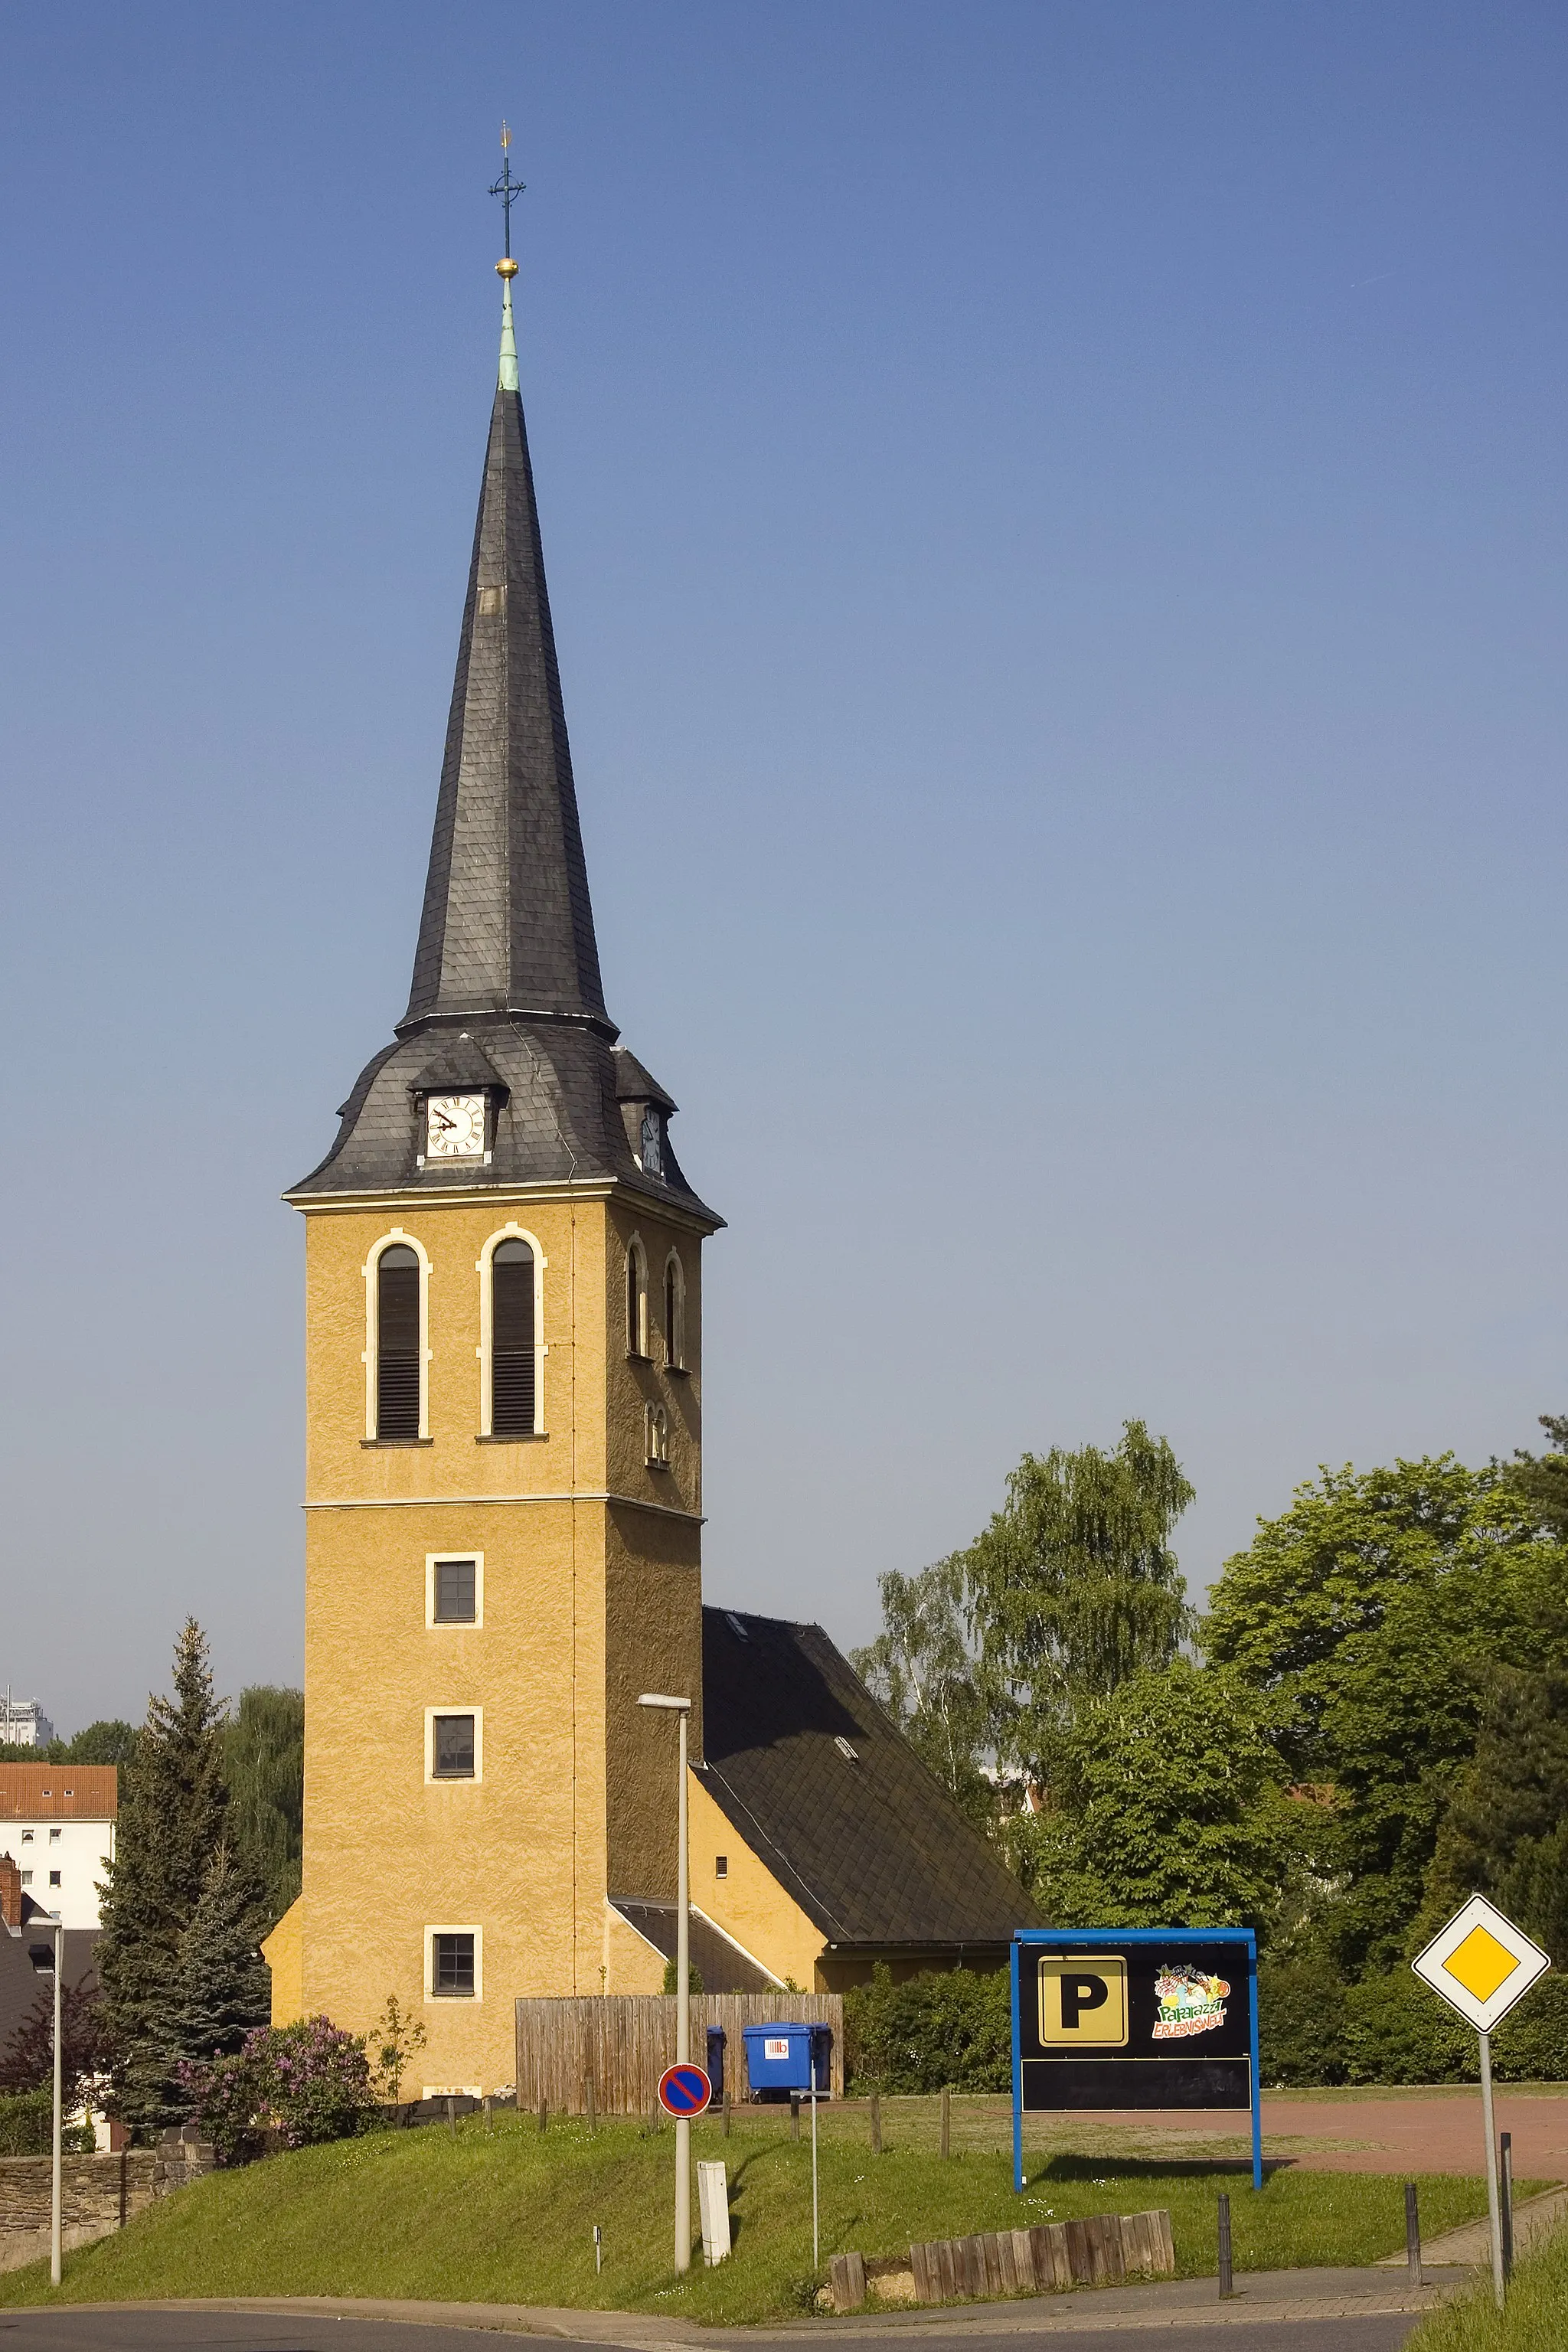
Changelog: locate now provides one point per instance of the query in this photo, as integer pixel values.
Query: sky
(1055, 515)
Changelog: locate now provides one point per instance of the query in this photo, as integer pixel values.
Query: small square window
(452, 1966)
(27, 1878)
(26, 1837)
(452, 1749)
(54, 1878)
(54, 1837)
(721, 1866)
(455, 1592)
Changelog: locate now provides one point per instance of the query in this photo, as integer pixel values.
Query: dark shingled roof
(870, 1844)
(506, 990)
(723, 1966)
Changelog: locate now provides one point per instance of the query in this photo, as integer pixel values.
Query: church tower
(503, 1460)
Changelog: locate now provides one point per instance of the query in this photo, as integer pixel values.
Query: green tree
(396, 2038)
(1074, 1587)
(173, 1808)
(1541, 1480)
(1171, 1807)
(27, 2062)
(1505, 1829)
(109, 1741)
(264, 1766)
(225, 1988)
(921, 1668)
(1373, 1610)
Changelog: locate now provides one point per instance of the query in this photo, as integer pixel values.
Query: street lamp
(50, 1960)
(681, 1710)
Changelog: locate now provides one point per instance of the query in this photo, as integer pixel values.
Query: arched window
(656, 1427)
(397, 1342)
(674, 1313)
(636, 1298)
(514, 1388)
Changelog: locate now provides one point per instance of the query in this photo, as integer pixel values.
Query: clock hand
(441, 1118)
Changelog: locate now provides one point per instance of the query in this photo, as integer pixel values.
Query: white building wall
(76, 1850)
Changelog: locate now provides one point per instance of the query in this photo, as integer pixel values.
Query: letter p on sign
(1083, 2001)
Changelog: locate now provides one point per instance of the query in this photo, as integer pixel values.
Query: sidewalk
(1261, 2296)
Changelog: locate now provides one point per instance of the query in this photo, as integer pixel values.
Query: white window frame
(451, 1624)
(512, 1233)
(449, 1779)
(395, 1239)
(637, 1256)
(674, 1328)
(456, 1928)
(656, 1436)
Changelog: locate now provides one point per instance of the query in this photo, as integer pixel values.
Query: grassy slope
(509, 2217)
(1534, 2318)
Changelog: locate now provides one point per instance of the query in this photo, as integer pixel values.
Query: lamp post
(681, 1710)
(49, 1961)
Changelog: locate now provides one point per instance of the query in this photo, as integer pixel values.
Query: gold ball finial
(507, 268)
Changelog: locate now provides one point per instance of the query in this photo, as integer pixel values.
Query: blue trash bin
(778, 2059)
(716, 2061)
(822, 2060)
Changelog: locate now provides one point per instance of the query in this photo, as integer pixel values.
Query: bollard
(876, 2125)
(490, 2115)
(598, 2250)
(1505, 2142)
(1224, 2284)
(452, 2116)
(946, 2121)
(1412, 2233)
(543, 2114)
(794, 2116)
(726, 2114)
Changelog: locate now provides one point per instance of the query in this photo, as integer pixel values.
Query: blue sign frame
(1058, 1939)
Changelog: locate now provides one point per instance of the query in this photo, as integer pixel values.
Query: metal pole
(55, 2182)
(814, 2253)
(1226, 2288)
(682, 2023)
(1505, 2142)
(1412, 2233)
(1494, 2214)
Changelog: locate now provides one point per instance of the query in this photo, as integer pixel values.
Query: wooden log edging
(1099, 2250)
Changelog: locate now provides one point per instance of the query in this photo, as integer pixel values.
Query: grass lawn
(1534, 2318)
(508, 2217)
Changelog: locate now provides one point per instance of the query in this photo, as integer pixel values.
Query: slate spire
(507, 930)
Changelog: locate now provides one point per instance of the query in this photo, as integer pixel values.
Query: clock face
(652, 1143)
(455, 1127)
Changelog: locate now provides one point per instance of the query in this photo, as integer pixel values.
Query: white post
(1494, 2211)
(682, 2023)
(814, 2255)
(55, 2182)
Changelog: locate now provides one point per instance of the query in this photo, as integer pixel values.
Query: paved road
(85, 2330)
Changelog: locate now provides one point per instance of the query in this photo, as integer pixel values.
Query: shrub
(1300, 2021)
(941, 2027)
(26, 2126)
(295, 2084)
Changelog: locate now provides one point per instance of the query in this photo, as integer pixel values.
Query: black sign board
(1135, 2018)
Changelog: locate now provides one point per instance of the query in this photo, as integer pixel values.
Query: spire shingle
(507, 926)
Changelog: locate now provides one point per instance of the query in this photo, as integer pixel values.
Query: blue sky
(1055, 515)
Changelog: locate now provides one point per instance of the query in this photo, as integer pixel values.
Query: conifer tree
(226, 1987)
(172, 1806)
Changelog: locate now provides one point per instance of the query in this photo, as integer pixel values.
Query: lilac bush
(289, 2085)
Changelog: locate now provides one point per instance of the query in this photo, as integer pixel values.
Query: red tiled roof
(67, 1792)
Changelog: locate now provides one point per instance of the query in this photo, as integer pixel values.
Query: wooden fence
(622, 2042)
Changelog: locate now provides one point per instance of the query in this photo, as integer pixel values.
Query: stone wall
(98, 2194)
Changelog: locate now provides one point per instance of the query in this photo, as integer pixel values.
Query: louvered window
(397, 1343)
(512, 1361)
(674, 1315)
(636, 1301)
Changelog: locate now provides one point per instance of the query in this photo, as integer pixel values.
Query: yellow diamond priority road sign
(1480, 1963)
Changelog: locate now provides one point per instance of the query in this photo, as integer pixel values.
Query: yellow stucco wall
(748, 1901)
(586, 1602)
(284, 1953)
